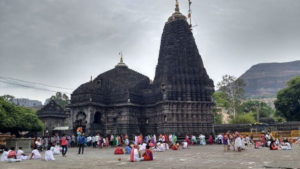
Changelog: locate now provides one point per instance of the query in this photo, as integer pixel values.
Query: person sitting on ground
(21, 155)
(135, 154)
(119, 150)
(258, 144)
(4, 155)
(273, 146)
(298, 141)
(12, 156)
(142, 146)
(185, 145)
(159, 147)
(38, 144)
(286, 145)
(128, 149)
(176, 147)
(35, 154)
(49, 155)
(148, 155)
(56, 150)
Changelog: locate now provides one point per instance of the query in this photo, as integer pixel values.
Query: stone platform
(195, 157)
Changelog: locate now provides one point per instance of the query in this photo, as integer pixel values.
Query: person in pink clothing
(64, 145)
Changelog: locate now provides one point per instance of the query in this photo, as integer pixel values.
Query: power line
(34, 83)
(32, 87)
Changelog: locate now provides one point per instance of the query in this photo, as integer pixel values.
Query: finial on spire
(177, 6)
(121, 59)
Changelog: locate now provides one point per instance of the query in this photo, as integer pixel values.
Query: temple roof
(116, 80)
(52, 109)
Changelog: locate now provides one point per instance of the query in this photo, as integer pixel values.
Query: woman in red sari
(119, 150)
(263, 139)
(148, 155)
(210, 140)
(187, 139)
(175, 146)
(106, 142)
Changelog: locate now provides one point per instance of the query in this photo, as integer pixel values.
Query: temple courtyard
(195, 157)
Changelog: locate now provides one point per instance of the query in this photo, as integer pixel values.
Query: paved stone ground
(195, 157)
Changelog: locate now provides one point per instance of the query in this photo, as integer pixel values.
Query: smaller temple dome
(176, 15)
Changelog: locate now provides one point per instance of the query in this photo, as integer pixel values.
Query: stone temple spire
(180, 72)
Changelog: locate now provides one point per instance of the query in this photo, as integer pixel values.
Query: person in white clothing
(21, 155)
(286, 145)
(88, 141)
(4, 155)
(35, 154)
(248, 141)
(238, 143)
(49, 155)
(94, 141)
(184, 145)
(160, 147)
(142, 146)
(56, 150)
(137, 154)
(103, 142)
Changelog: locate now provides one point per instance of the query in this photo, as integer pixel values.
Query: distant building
(26, 102)
(52, 115)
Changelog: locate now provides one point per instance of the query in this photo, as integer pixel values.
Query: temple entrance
(80, 123)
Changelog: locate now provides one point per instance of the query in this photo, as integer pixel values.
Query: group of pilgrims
(141, 148)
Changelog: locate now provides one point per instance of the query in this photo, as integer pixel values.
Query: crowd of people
(141, 148)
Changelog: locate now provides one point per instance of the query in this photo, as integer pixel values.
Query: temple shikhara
(179, 100)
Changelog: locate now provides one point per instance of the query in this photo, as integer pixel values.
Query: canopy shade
(62, 128)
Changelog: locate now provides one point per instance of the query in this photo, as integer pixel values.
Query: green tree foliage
(15, 118)
(234, 89)
(220, 99)
(288, 100)
(221, 102)
(256, 106)
(243, 118)
(7, 97)
(61, 99)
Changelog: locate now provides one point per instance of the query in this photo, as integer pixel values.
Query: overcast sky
(64, 42)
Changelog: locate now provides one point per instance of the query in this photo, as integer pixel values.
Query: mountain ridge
(264, 80)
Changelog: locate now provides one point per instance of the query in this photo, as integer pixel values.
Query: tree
(234, 89)
(61, 99)
(8, 97)
(221, 102)
(254, 106)
(243, 118)
(15, 118)
(288, 100)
